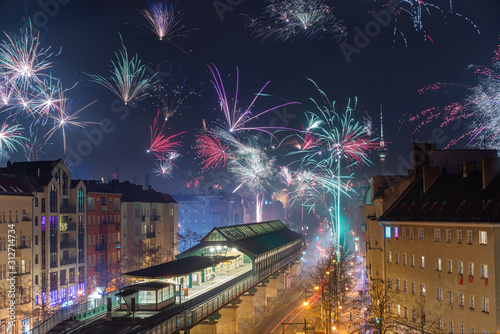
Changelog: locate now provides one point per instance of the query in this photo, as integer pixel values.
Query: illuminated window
(388, 232)
(396, 232)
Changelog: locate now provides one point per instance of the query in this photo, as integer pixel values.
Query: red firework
(211, 150)
(160, 143)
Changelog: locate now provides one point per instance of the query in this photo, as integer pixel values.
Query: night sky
(382, 73)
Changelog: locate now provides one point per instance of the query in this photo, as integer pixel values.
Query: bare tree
(108, 277)
(188, 239)
(381, 317)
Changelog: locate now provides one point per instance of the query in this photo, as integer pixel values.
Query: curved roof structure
(251, 239)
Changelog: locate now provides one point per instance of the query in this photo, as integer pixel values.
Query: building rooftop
(181, 267)
(452, 197)
(250, 239)
(16, 185)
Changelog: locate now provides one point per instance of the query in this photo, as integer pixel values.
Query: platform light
(212, 249)
(219, 247)
(306, 303)
(235, 250)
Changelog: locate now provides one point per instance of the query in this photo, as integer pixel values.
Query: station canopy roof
(178, 268)
(251, 239)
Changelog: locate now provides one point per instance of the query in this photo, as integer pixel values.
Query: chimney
(146, 181)
(467, 167)
(430, 175)
(491, 168)
(9, 164)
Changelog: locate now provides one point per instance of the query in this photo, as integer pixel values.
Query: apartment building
(16, 242)
(149, 226)
(103, 232)
(433, 237)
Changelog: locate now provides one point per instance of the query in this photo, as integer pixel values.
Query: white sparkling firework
(283, 20)
(164, 168)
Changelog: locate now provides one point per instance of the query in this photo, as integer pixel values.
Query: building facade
(103, 234)
(55, 237)
(432, 237)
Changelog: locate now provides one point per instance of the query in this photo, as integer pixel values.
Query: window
(171, 212)
(398, 284)
(471, 268)
(450, 296)
(439, 293)
(451, 328)
(389, 257)
(389, 282)
(485, 304)
(398, 310)
(448, 235)
(469, 237)
(450, 266)
(406, 312)
(420, 234)
(484, 271)
(422, 261)
(36, 240)
(483, 237)
(412, 260)
(472, 330)
(403, 232)
(422, 289)
(413, 315)
(404, 259)
(396, 232)
(437, 234)
(36, 258)
(388, 232)
(405, 286)
(459, 236)
(43, 205)
(462, 329)
(461, 299)
(440, 323)
(412, 233)
(81, 198)
(460, 268)
(472, 302)
(53, 199)
(438, 264)
(413, 287)
(397, 258)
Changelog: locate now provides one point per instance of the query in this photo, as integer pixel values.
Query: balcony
(68, 261)
(101, 247)
(67, 209)
(53, 264)
(153, 218)
(67, 244)
(71, 226)
(151, 235)
(143, 218)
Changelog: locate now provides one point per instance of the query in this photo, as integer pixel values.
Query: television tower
(382, 150)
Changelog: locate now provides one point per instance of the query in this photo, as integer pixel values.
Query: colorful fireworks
(237, 118)
(10, 138)
(160, 144)
(164, 20)
(417, 11)
(283, 20)
(480, 109)
(213, 152)
(128, 80)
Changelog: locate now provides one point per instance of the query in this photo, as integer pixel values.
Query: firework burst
(283, 20)
(164, 168)
(160, 144)
(10, 138)
(164, 19)
(418, 11)
(128, 80)
(237, 118)
(212, 150)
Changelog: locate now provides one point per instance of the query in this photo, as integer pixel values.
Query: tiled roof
(451, 198)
